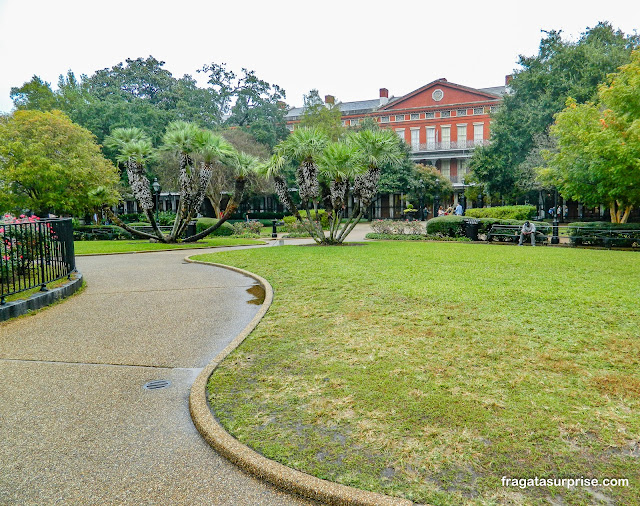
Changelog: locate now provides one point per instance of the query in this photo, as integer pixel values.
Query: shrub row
(103, 232)
(503, 212)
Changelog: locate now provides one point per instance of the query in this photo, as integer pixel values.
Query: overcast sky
(346, 48)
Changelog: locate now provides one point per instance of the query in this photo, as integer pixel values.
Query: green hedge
(204, 223)
(503, 212)
(603, 233)
(448, 226)
(103, 232)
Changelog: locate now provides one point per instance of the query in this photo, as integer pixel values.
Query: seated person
(528, 229)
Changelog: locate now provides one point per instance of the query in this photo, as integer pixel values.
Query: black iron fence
(34, 253)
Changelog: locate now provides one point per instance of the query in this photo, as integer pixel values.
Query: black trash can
(471, 227)
(191, 228)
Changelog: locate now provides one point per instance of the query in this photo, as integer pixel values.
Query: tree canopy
(598, 146)
(326, 117)
(48, 164)
(142, 93)
(538, 91)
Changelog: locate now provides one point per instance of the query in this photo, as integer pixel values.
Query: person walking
(528, 229)
(459, 210)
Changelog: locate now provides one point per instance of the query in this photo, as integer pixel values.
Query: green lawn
(102, 247)
(431, 370)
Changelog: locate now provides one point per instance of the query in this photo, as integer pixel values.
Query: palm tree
(197, 151)
(134, 150)
(340, 164)
(375, 149)
(244, 165)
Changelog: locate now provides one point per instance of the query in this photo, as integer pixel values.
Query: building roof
(366, 106)
(494, 90)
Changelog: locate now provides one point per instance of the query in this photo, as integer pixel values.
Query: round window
(437, 95)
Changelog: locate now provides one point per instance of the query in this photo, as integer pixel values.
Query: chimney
(507, 79)
(384, 96)
(329, 100)
(281, 105)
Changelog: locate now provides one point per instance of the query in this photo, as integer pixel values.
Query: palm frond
(179, 137)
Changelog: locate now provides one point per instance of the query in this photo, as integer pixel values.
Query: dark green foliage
(604, 233)
(503, 212)
(204, 223)
(103, 232)
(132, 217)
(267, 216)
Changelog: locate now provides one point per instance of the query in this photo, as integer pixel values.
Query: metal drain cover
(157, 384)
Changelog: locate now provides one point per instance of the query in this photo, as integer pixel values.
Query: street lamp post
(554, 237)
(156, 190)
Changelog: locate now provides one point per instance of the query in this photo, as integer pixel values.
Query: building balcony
(449, 146)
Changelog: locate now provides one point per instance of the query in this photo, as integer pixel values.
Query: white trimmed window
(445, 168)
(478, 133)
(445, 131)
(384, 119)
(429, 115)
(461, 112)
(445, 114)
(462, 136)
(400, 132)
(354, 122)
(415, 116)
(415, 139)
(399, 117)
(431, 137)
(478, 110)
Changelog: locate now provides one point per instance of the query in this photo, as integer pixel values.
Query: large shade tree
(196, 152)
(329, 174)
(597, 160)
(48, 164)
(539, 89)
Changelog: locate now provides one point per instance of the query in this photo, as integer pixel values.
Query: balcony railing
(450, 146)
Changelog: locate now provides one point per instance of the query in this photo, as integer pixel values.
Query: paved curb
(251, 461)
(40, 299)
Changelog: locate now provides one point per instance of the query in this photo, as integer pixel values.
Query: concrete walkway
(76, 424)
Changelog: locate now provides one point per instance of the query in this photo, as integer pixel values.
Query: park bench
(511, 233)
(588, 236)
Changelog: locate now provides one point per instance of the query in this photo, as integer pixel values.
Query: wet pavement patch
(258, 294)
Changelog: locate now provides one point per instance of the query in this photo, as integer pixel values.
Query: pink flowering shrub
(19, 244)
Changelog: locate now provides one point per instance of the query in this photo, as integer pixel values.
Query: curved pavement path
(76, 424)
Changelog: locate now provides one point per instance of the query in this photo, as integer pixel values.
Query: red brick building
(442, 122)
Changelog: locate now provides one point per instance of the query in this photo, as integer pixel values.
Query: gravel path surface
(76, 424)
